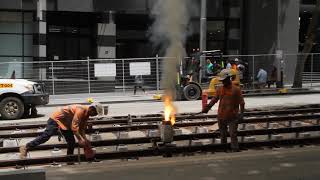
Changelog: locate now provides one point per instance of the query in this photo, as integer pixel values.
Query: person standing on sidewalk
(71, 121)
(230, 98)
(138, 84)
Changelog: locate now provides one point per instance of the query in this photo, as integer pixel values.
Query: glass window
(10, 16)
(11, 45)
(28, 45)
(6, 69)
(28, 23)
(28, 70)
(9, 27)
(215, 30)
(215, 8)
(10, 22)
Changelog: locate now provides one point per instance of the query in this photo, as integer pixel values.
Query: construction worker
(235, 78)
(70, 120)
(230, 98)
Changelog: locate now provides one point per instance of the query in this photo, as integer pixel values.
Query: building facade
(55, 30)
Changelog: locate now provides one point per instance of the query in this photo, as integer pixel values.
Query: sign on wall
(140, 68)
(106, 52)
(104, 69)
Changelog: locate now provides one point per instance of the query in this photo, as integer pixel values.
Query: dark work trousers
(52, 129)
(232, 124)
(138, 86)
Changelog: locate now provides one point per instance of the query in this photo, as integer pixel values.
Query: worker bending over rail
(69, 120)
(231, 98)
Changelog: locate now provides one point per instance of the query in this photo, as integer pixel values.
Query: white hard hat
(224, 74)
(98, 107)
(236, 60)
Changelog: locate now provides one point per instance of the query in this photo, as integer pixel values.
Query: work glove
(240, 118)
(206, 109)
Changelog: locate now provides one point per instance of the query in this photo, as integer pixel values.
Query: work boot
(23, 152)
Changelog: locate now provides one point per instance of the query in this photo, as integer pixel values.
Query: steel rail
(183, 137)
(160, 151)
(181, 124)
(150, 118)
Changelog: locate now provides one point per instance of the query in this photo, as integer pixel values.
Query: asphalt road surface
(277, 164)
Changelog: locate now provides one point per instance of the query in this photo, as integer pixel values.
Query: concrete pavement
(277, 164)
(111, 98)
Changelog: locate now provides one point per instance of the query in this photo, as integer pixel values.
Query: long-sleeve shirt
(262, 76)
(230, 100)
(72, 117)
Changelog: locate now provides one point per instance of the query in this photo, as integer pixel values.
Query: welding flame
(169, 110)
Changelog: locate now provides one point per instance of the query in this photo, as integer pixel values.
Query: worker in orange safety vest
(71, 121)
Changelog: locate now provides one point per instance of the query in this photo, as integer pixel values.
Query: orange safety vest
(230, 98)
(72, 117)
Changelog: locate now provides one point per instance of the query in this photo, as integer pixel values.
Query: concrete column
(288, 35)
(106, 41)
(40, 33)
(233, 28)
(279, 31)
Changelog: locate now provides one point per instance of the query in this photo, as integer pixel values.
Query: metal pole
(52, 77)
(89, 85)
(123, 82)
(253, 72)
(279, 79)
(203, 36)
(22, 37)
(311, 69)
(157, 73)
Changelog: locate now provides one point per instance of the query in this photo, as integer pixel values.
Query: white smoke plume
(170, 30)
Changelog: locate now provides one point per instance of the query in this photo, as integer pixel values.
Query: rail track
(259, 124)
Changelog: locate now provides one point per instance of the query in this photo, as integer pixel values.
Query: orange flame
(169, 110)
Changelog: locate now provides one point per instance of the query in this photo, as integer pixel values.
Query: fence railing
(123, 75)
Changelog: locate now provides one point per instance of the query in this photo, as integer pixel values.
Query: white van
(19, 98)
